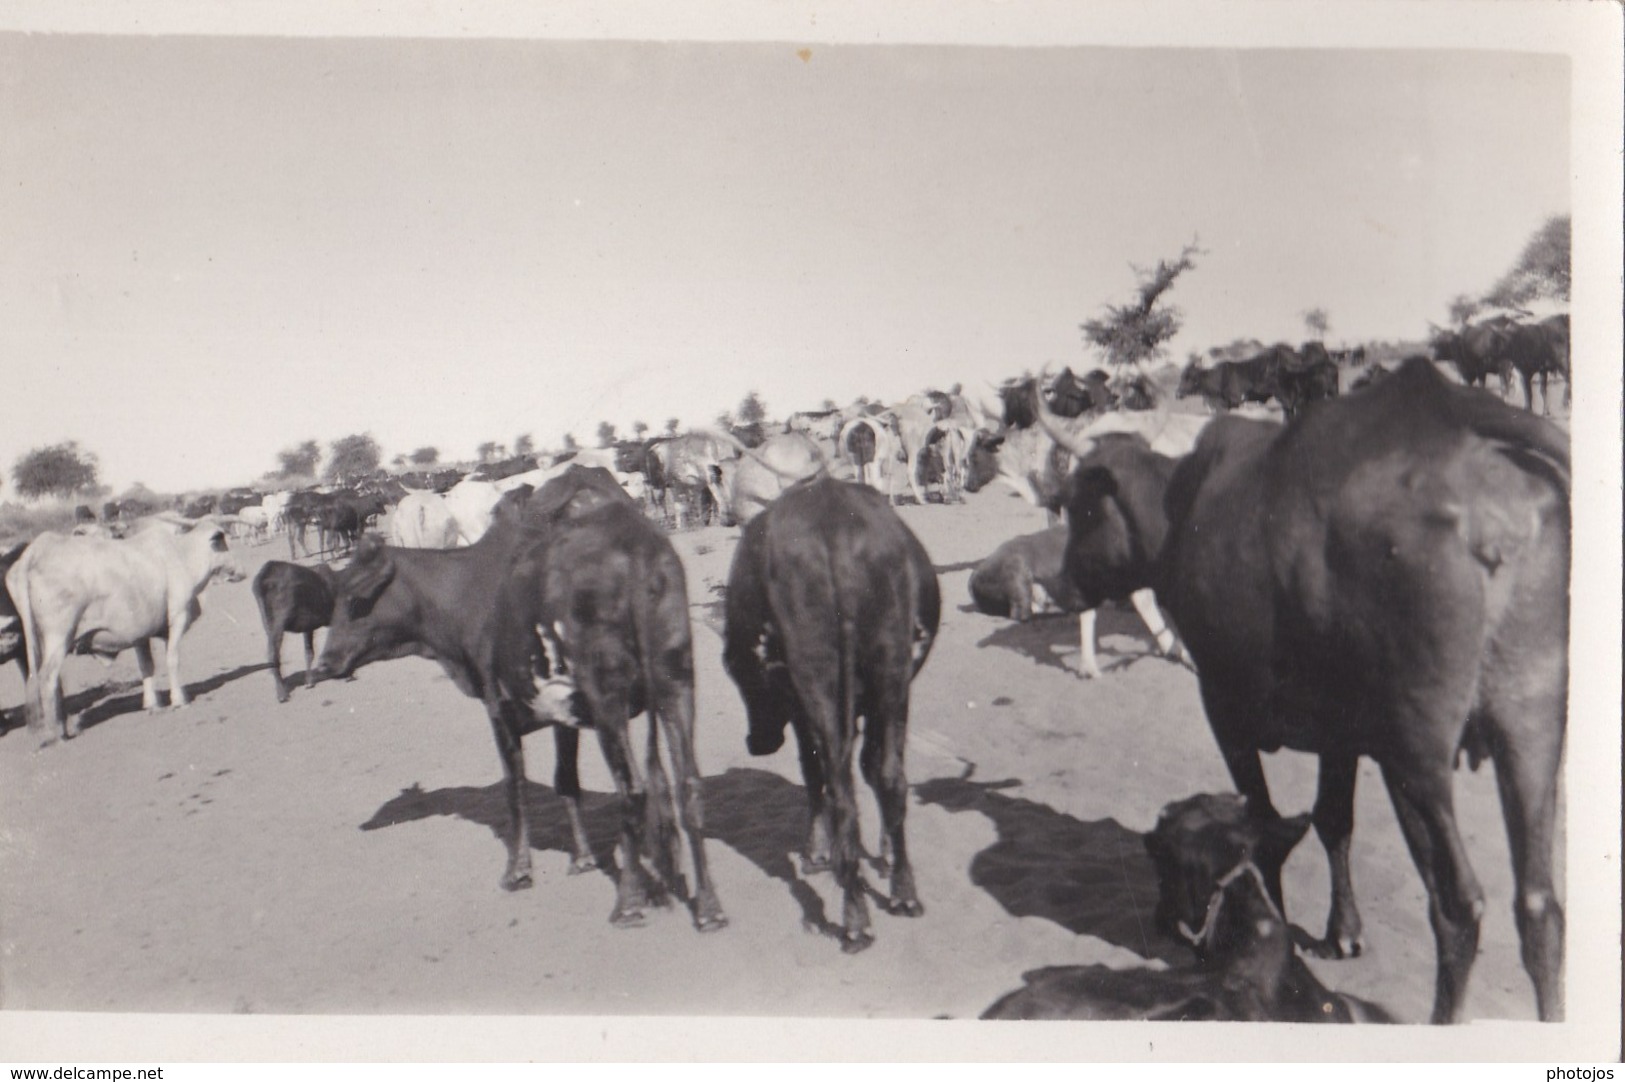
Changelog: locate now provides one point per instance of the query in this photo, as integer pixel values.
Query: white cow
(471, 504)
(877, 473)
(423, 521)
(100, 596)
(276, 510)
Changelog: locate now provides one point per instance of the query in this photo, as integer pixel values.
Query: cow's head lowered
(752, 653)
(370, 621)
(1219, 874)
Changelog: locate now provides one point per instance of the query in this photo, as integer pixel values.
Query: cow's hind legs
(310, 660)
(882, 762)
(708, 913)
(844, 851)
(511, 749)
(567, 783)
(815, 858)
(631, 893)
(1424, 803)
(273, 658)
(1334, 823)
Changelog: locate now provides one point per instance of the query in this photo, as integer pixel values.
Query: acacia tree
(1317, 323)
(606, 433)
(570, 443)
(752, 410)
(486, 451)
(1129, 335)
(300, 461)
(352, 458)
(1463, 308)
(671, 426)
(58, 470)
(524, 445)
(1542, 269)
(638, 429)
(425, 456)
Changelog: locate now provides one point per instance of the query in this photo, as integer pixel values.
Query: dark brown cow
(593, 630)
(1313, 378)
(1212, 862)
(1540, 350)
(1229, 384)
(1388, 576)
(293, 598)
(1477, 351)
(832, 608)
(570, 611)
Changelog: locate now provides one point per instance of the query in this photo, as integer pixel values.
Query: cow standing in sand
(832, 608)
(93, 595)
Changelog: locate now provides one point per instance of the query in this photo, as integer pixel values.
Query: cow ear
(370, 571)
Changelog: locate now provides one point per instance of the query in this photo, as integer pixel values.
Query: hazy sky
(213, 248)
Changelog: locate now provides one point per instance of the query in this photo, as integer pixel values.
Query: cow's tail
(660, 812)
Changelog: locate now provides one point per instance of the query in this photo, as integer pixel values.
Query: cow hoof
(814, 865)
(856, 942)
(711, 922)
(1337, 949)
(626, 918)
(516, 882)
(583, 864)
(907, 907)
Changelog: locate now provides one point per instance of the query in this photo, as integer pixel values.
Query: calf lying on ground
(1028, 576)
(832, 609)
(1212, 859)
(1025, 576)
(293, 598)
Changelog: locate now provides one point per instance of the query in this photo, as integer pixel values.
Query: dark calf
(601, 604)
(832, 607)
(1212, 861)
(482, 614)
(298, 599)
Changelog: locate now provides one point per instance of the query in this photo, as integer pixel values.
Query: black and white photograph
(1061, 513)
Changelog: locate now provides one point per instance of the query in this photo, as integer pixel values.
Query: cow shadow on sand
(757, 813)
(1052, 640)
(1091, 877)
(488, 806)
(112, 699)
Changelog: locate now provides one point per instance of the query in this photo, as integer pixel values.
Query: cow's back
(78, 585)
(842, 568)
(1326, 571)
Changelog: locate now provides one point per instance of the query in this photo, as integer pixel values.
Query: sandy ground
(340, 853)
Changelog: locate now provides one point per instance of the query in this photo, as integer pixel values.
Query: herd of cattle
(1385, 575)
